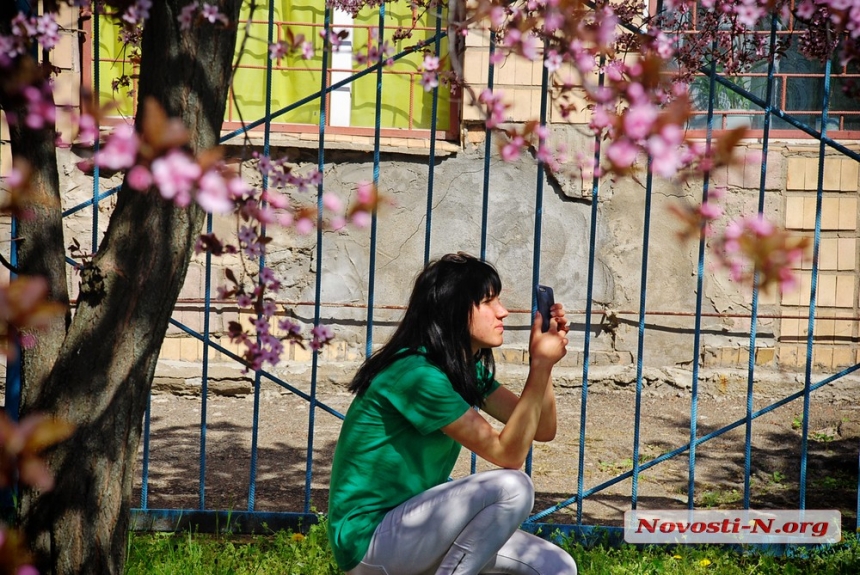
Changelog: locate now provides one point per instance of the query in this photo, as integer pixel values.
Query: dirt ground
(775, 454)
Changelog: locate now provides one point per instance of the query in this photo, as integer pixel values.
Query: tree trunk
(102, 372)
(39, 238)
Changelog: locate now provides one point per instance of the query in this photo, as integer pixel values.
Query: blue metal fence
(146, 517)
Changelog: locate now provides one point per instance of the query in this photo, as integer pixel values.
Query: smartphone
(545, 300)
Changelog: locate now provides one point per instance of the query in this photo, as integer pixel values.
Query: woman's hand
(550, 346)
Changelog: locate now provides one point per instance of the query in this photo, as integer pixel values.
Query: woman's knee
(515, 481)
(516, 486)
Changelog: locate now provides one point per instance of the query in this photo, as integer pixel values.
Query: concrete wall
(457, 200)
(564, 253)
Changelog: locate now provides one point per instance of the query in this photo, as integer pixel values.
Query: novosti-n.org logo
(732, 526)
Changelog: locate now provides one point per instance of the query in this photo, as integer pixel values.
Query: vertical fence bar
(488, 150)
(319, 254)
(374, 217)
(807, 378)
(589, 305)
(258, 380)
(12, 393)
(97, 104)
(700, 287)
(204, 383)
(485, 195)
(431, 161)
(754, 311)
(538, 207)
(640, 345)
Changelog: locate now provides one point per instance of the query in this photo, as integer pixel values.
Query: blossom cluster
(25, 30)
(195, 12)
(374, 51)
(753, 250)
(293, 44)
(828, 22)
(430, 72)
(156, 157)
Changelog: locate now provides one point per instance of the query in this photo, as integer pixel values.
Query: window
(406, 109)
(798, 87)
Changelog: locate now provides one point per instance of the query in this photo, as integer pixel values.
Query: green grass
(280, 553)
(285, 553)
(839, 559)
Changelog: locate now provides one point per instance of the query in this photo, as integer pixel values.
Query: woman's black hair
(437, 320)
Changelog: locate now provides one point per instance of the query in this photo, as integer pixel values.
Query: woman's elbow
(545, 435)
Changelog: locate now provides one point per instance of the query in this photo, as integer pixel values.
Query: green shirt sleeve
(424, 397)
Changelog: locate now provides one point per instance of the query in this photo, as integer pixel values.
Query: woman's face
(485, 326)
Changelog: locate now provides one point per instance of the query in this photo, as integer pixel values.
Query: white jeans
(464, 527)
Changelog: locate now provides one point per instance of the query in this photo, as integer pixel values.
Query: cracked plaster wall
(457, 202)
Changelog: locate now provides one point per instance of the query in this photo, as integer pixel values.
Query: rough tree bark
(96, 369)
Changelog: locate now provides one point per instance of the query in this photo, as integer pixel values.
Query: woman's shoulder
(410, 365)
(409, 359)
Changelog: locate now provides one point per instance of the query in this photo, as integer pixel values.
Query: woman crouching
(392, 509)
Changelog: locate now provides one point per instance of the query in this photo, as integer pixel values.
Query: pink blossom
(332, 202)
(638, 121)
(429, 80)
(622, 153)
(759, 226)
(552, 61)
(664, 45)
(40, 109)
(276, 199)
(186, 16)
(431, 63)
(497, 16)
(211, 13)
(120, 150)
(529, 47)
(238, 188)
(361, 219)
(261, 324)
(289, 326)
(607, 27)
(27, 340)
(15, 178)
(734, 230)
(277, 50)
(805, 9)
(139, 178)
(666, 164)
(247, 234)
(136, 14)
(710, 211)
(88, 131)
(175, 175)
(511, 150)
(47, 31)
(304, 226)
(787, 280)
(284, 219)
(364, 192)
(749, 15)
(213, 195)
(307, 50)
(553, 20)
(267, 276)
(322, 334)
